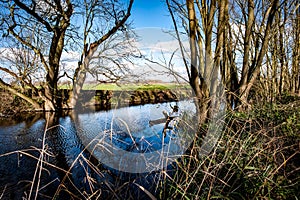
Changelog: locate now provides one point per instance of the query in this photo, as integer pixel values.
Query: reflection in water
(78, 170)
(123, 139)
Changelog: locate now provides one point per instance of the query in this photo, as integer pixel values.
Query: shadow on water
(69, 168)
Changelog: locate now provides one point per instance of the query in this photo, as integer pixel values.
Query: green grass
(130, 87)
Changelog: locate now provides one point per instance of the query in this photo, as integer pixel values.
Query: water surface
(76, 142)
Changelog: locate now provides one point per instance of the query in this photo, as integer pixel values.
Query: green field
(130, 87)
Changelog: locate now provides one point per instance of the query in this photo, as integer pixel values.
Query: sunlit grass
(129, 87)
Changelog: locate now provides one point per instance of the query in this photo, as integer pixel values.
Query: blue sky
(151, 21)
(150, 13)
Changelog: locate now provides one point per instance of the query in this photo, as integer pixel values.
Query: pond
(109, 154)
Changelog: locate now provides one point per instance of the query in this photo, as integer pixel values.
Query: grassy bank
(13, 105)
(257, 157)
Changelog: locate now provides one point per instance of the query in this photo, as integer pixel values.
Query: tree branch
(34, 14)
(94, 45)
(17, 77)
(15, 92)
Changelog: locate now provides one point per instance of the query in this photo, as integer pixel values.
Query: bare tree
(240, 34)
(268, 64)
(53, 19)
(202, 63)
(55, 25)
(295, 85)
(114, 14)
(251, 69)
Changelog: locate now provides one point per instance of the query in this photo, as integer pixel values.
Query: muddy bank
(12, 105)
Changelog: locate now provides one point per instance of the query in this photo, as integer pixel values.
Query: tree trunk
(194, 79)
(246, 57)
(249, 76)
(296, 55)
(218, 56)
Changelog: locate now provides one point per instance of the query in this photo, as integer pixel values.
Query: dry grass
(257, 157)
